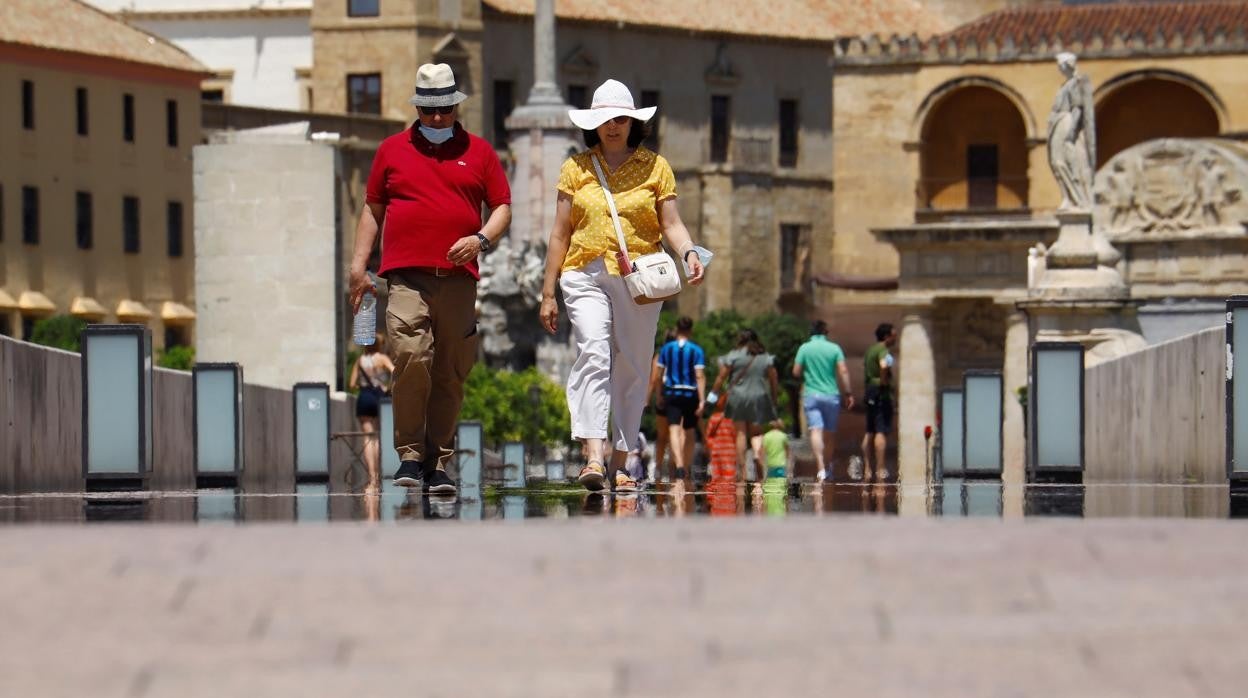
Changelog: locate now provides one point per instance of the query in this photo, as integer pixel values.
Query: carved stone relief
(1172, 189)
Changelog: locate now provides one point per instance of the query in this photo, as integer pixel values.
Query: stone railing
(874, 49)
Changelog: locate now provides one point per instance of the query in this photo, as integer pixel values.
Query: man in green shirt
(820, 366)
(878, 370)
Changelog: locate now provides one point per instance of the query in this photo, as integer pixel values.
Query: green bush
(60, 331)
(504, 403)
(177, 357)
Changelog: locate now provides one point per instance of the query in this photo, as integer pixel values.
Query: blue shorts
(822, 411)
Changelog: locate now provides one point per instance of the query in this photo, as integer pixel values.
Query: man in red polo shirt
(426, 191)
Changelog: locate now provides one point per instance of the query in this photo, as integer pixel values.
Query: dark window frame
(171, 123)
(983, 175)
(82, 111)
(721, 128)
(353, 11)
(651, 98)
(790, 240)
(30, 215)
(790, 129)
(215, 95)
(130, 225)
(127, 117)
(28, 105)
(84, 220)
(578, 96)
(504, 102)
(352, 106)
(174, 229)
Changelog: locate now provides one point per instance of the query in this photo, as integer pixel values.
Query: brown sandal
(593, 476)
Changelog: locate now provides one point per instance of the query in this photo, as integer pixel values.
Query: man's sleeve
(497, 190)
(699, 359)
(663, 356)
(798, 360)
(375, 193)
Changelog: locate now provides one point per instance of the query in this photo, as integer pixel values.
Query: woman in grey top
(749, 373)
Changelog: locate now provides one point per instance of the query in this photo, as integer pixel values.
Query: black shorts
(681, 409)
(879, 410)
(368, 402)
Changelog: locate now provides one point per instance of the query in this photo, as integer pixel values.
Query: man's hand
(464, 250)
(549, 314)
(701, 408)
(360, 283)
(849, 402)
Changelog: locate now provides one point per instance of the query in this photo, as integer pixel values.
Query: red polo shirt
(433, 195)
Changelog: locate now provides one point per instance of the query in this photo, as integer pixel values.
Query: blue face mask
(437, 135)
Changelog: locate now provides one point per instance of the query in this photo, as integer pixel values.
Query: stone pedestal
(916, 398)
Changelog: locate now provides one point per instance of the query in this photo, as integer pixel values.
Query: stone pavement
(755, 607)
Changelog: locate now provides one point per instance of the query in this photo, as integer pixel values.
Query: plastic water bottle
(365, 329)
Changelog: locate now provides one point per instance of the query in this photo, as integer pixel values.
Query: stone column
(916, 398)
(545, 90)
(1014, 375)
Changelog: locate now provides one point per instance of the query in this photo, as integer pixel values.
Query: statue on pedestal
(1072, 137)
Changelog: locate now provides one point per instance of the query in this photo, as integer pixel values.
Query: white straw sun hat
(611, 99)
(436, 87)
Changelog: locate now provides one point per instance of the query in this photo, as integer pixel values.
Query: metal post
(217, 390)
(116, 406)
(1056, 410)
(311, 432)
(982, 416)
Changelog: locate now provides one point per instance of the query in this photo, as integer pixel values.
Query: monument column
(916, 397)
(1013, 430)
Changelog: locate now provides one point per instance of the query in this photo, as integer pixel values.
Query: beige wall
(59, 162)
(394, 44)
(878, 120)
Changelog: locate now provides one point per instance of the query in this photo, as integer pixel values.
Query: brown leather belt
(440, 271)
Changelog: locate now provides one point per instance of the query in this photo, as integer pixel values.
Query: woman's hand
(696, 272)
(549, 314)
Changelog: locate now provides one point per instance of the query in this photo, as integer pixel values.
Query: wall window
(28, 105)
(721, 125)
(363, 8)
(504, 103)
(213, 96)
(578, 96)
(175, 336)
(650, 98)
(173, 228)
(28, 326)
(171, 123)
(130, 224)
(84, 219)
(30, 215)
(127, 118)
(364, 93)
(788, 132)
(80, 99)
(5, 328)
(982, 174)
(790, 237)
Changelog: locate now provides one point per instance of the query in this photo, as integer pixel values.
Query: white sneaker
(821, 476)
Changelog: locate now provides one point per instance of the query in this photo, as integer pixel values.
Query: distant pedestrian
(750, 384)
(820, 366)
(370, 376)
(721, 443)
(683, 395)
(878, 369)
(654, 395)
(777, 457)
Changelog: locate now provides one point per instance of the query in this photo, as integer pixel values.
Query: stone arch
(1144, 105)
(973, 147)
(950, 86)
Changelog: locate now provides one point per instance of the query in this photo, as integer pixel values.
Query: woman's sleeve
(666, 181)
(568, 176)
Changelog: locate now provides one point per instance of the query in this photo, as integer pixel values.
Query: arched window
(974, 152)
(1139, 107)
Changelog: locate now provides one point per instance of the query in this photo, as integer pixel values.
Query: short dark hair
(684, 324)
(748, 340)
(818, 327)
(885, 329)
(637, 133)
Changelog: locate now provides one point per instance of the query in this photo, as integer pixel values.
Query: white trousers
(614, 350)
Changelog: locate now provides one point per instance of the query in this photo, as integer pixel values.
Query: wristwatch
(485, 242)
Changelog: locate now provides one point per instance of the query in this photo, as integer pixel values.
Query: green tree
(60, 331)
(177, 357)
(521, 406)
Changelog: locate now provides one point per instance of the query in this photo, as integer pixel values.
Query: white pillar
(1014, 376)
(916, 398)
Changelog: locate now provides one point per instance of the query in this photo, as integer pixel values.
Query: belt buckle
(440, 271)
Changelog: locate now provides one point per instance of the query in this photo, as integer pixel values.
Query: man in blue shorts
(684, 394)
(820, 366)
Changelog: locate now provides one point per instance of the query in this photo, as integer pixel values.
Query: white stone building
(260, 51)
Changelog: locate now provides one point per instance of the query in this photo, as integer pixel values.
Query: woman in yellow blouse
(614, 335)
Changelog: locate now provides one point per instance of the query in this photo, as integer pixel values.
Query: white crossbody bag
(651, 278)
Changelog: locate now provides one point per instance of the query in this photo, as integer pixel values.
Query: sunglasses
(622, 119)
(430, 111)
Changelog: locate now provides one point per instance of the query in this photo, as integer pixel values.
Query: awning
(176, 313)
(35, 303)
(6, 301)
(87, 309)
(133, 310)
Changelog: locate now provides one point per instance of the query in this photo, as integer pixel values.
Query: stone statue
(507, 300)
(1072, 137)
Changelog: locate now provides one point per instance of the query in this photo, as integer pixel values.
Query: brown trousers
(431, 326)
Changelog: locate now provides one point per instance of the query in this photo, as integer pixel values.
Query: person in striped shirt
(683, 364)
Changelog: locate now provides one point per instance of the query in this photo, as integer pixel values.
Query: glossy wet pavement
(960, 596)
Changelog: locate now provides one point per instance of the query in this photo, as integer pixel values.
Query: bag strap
(615, 216)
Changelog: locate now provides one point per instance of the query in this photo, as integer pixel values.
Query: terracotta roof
(73, 26)
(791, 19)
(1070, 23)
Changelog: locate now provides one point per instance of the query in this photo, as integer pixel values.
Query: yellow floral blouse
(639, 185)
